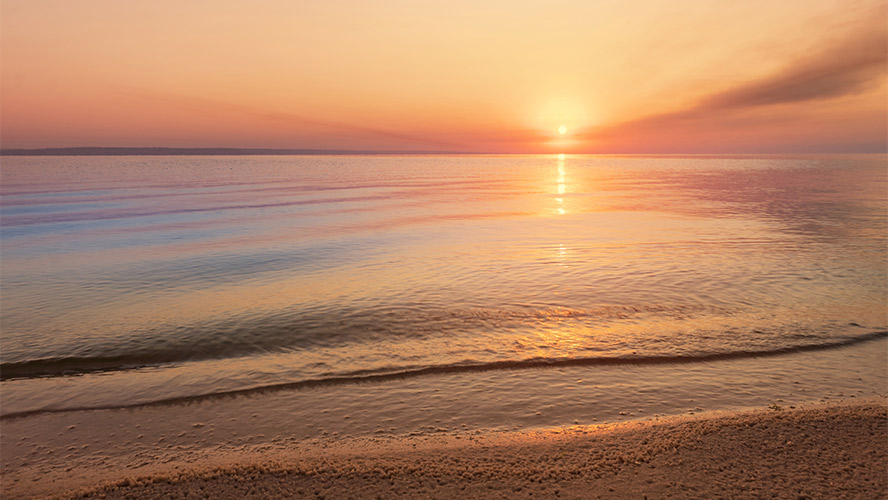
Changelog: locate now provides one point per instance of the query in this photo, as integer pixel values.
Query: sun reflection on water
(562, 189)
(562, 254)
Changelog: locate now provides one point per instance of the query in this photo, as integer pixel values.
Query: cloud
(209, 107)
(844, 69)
(845, 66)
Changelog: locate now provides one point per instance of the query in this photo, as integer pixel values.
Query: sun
(562, 130)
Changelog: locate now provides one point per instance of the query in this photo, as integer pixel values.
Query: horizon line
(212, 151)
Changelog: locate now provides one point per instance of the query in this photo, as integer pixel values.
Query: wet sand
(836, 450)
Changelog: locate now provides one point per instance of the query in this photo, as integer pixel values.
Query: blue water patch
(7, 210)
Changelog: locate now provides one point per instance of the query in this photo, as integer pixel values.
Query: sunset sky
(639, 76)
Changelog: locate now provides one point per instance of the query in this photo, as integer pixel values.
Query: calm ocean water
(129, 280)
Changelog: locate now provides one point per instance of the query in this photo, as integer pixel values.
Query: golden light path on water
(251, 272)
(562, 187)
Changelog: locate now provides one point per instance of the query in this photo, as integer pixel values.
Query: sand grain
(828, 451)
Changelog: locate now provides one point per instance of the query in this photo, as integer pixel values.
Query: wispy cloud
(209, 106)
(847, 68)
(849, 64)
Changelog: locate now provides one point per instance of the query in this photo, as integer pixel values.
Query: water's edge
(370, 376)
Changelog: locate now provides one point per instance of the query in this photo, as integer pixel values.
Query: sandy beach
(834, 450)
(441, 250)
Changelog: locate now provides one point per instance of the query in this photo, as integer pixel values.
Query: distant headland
(158, 151)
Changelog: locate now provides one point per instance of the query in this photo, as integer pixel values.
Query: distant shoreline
(161, 151)
(165, 151)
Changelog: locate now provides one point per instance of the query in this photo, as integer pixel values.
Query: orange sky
(633, 76)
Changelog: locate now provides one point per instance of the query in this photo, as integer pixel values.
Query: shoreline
(51, 453)
(448, 369)
(821, 450)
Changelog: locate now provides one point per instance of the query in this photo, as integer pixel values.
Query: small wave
(239, 337)
(399, 373)
(73, 365)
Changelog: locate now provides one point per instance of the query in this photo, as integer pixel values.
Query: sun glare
(562, 130)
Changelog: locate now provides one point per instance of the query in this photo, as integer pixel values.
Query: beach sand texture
(820, 451)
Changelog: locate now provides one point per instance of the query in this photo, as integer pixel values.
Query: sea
(132, 281)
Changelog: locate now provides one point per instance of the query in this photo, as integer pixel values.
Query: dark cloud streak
(844, 69)
(847, 65)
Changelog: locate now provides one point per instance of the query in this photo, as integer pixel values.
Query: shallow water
(51, 452)
(130, 280)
